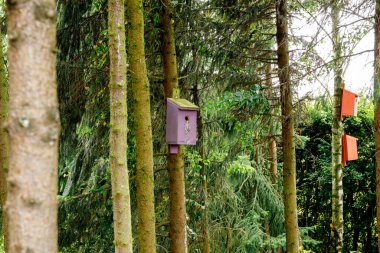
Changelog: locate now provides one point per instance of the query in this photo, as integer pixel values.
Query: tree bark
(337, 131)
(33, 126)
(176, 171)
(118, 132)
(377, 114)
(4, 142)
(205, 234)
(289, 167)
(144, 144)
(272, 144)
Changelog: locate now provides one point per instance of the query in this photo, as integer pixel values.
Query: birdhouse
(181, 123)
(350, 150)
(349, 104)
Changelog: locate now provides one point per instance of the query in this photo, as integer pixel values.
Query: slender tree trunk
(176, 171)
(337, 131)
(203, 173)
(118, 132)
(289, 169)
(33, 125)
(144, 144)
(4, 142)
(272, 144)
(377, 114)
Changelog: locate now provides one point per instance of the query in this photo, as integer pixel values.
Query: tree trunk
(272, 145)
(289, 167)
(175, 161)
(33, 125)
(144, 144)
(337, 131)
(4, 142)
(377, 114)
(118, 131)
(203, 174)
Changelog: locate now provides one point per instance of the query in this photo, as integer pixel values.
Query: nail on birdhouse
(350, 150)
(181, 123)
(349, 103)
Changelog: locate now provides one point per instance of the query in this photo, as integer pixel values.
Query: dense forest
(200, 126)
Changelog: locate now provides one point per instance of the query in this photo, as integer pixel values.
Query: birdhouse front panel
(349, 104)
(350, 150)
(181, 122)
(187, 127)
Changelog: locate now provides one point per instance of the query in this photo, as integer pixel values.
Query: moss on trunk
(177, 217)
(144, 144)
(118, 131)
(4, 141)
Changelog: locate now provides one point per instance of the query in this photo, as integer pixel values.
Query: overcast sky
(358, 74)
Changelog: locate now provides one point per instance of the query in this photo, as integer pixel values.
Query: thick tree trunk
(176, 171)
(377, 114)
(289, 169)
(336, 140)
(33, 125)
(4, 142)
(118, 132)
(144, 144)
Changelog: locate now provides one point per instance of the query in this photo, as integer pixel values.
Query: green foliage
(314, 178)
(223, 48)
(2, 244)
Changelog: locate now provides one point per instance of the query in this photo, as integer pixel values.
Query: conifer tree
(144, 144)
(289, 167)
(175, 162)
(118, 131)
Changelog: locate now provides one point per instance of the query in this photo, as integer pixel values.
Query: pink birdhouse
(349, 104)
(350, 149)
(181, 123)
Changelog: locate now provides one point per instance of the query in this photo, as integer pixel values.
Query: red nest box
(350, 149)
(349, 103)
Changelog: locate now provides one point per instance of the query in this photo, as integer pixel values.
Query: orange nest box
(349, 104)
(350, 149)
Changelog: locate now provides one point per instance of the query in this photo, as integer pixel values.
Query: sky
(358, 74)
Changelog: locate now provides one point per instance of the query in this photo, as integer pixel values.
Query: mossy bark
(337, 131)
(33, 125)
(376, 95)
(176, 172)
(4, 141)
(144, 144)
(118, 132)
(289, 164)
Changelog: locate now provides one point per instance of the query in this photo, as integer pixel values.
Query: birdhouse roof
(184, 104)
(356, 95)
